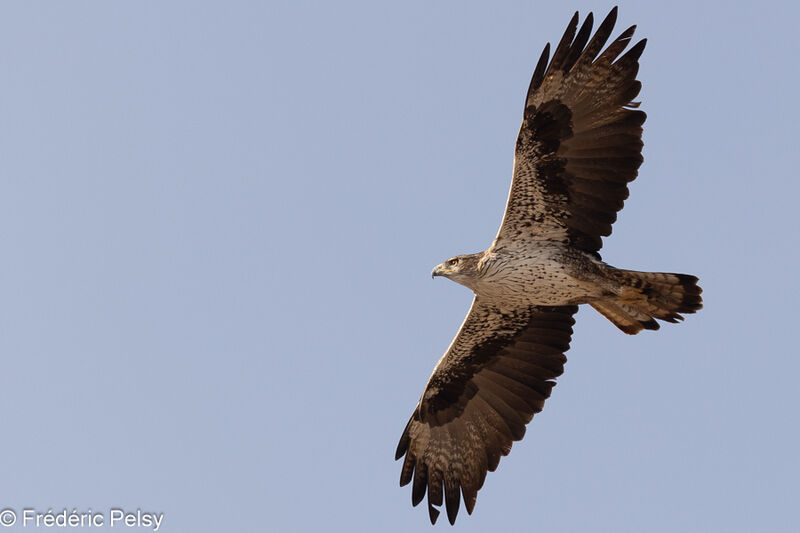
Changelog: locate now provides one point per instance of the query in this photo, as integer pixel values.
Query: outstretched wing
(491, 381)
(580, 142)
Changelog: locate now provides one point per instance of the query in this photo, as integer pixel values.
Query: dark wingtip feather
(452, 497)
(617, 46)
(435, 495)
(433, 514)
(420, 483)
(630, 329)
(689, 283)
(562, 50)
(407, 471)
(650, 324)
(469, 501)
(691, 301)
(586, 29)
(402, 446)
(600, 37)
(538, 73)
(635, 52)
(576, 48)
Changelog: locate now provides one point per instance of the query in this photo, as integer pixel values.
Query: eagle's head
(462, 269)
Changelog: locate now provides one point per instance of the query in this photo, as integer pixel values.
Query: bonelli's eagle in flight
(578, 148)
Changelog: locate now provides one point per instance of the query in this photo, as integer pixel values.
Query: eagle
(579, 146)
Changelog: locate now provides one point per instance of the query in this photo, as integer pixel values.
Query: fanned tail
(646, 296)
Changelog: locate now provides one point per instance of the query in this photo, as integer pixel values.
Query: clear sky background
(218, 222)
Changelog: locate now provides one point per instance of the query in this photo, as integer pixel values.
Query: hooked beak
(437, 271)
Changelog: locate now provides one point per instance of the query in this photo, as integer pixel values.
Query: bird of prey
(577, 149)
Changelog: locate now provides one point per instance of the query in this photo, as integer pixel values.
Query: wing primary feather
(600, 37)
(452, 497)
(470, 497)
(433, 514)
(402, 446)
(420, 483)
(563, 46)
(538, 73)
(434, 494)
(616, 48)
(408, 470)
(581, 39)
(634, 53)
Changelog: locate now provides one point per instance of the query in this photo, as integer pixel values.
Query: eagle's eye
(453, 262)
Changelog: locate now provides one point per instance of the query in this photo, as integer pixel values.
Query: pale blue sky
(218, 222)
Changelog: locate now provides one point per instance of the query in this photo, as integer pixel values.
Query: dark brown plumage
(578, 147)
(501, 381)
